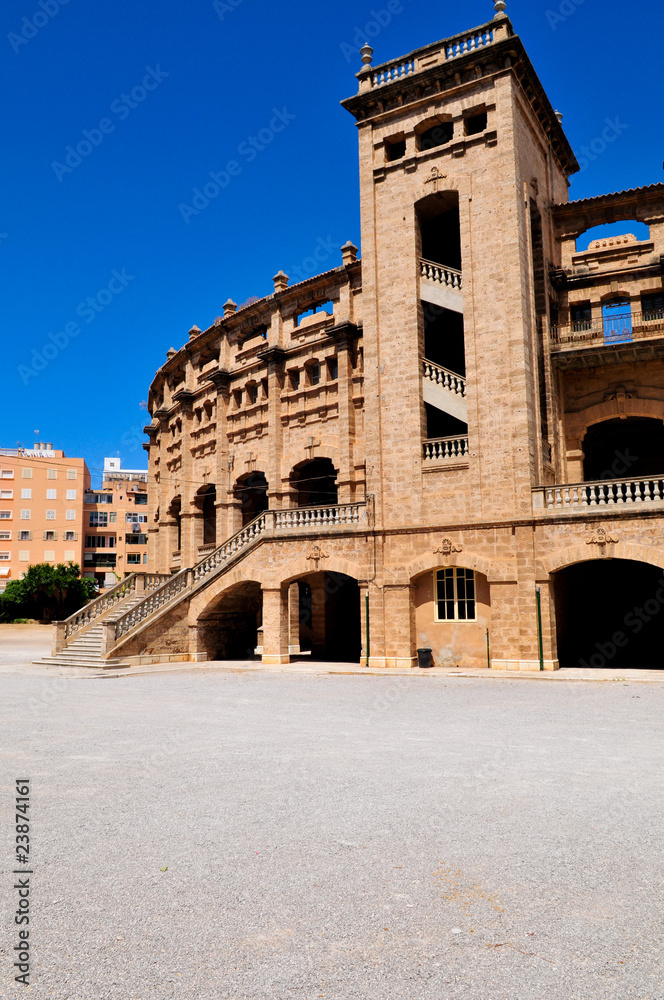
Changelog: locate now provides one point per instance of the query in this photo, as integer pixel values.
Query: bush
(46, 593)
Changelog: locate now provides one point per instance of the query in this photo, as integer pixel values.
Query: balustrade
(609, 331)
(451, 48)
(441, 274)
(607, 493)
(436, 449)
(444, 377)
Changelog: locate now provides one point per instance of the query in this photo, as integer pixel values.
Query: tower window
(395, 148)
(437, 135)
(475, 122)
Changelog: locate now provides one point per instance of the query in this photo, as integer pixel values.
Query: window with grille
(581, 316)
(652, 306)
(455, 595)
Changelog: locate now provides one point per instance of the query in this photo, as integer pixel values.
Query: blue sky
(103, 269)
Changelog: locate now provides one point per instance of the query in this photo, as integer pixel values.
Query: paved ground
(337, 836)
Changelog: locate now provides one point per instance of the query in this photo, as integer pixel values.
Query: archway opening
(208, 503)
(228, 628)
(330, 617)
(610, 613)
(251, 491)
(624, 449)
(440, 231)
(315, 483)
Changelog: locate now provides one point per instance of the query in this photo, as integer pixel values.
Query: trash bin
(424, 657)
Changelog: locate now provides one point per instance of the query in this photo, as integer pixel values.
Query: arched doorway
(208, 505)
(624, 449)
(251, 491)
(452, 607)
(315, 483)
(330, 617)
(610, 613)
(228, 628)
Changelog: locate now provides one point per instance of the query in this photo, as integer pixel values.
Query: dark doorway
(175, 512)
(316, 483)
(251, 490)
(624, 449)
(440, 231)
(610, 613)
(330, 618)
(229, 628)
(444, 338)
(209, 508)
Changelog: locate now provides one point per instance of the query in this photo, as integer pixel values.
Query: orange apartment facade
(41, 509)
(115, 525)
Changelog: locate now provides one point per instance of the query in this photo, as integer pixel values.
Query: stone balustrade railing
(443, 275)
(444, 377)
(437, 449)
(606, 493)
(134, 583)
(450, 48)
(269, 521)
(610, 330)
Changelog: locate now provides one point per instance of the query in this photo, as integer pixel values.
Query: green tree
(46, 593)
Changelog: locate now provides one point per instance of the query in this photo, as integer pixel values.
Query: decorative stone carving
(446, 548)
(436, 179)
(602, 539)
(619, 396)
(316, 555)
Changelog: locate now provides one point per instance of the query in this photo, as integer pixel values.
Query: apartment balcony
(605, 340)
(441, 286)
(645, 492)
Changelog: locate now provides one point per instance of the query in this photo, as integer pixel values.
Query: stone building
(455, 442)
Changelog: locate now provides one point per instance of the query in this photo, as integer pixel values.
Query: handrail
(448, 48)
(608, 330)
(99, 605)
(441, 274)
(245, 538)
(444, 377)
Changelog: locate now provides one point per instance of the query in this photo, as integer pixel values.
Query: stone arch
(573, 554)
(621, 405)
(210, 595)
(303, 565)
(314, 482)
(494, 572)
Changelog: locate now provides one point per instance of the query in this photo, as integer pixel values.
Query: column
(275, 625)
(294, 619)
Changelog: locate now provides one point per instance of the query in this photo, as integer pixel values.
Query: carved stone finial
(230, 307)
(280, 281)
(367, 54)
(500, 6)
(349, 253)
(194, 332)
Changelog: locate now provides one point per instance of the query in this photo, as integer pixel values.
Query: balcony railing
(443, 377)
(609, 331)
(444, 449)
(450, 48)
(441, 274)
(607, 493)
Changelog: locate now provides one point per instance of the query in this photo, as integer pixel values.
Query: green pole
(366, 604)
(539, 627)
(488, 651)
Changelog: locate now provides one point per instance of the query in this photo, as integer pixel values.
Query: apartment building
(41, 508)
(115, 525)
(456, 442)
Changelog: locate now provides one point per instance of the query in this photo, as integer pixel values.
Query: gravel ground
(337, 837)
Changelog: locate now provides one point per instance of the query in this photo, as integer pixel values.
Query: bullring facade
(455, 442)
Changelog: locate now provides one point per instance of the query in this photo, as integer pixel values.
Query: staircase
(86, 649)
(108, 623)
(445, 390)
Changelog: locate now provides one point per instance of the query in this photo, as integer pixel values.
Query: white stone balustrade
(443, 275)
(444, 377)
(439, 449)
(450, 48)
(607, 493)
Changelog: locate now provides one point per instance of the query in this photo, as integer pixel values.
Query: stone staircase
(107, 623)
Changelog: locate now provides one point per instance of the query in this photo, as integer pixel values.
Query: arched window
(316, 483)
(251, 491)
